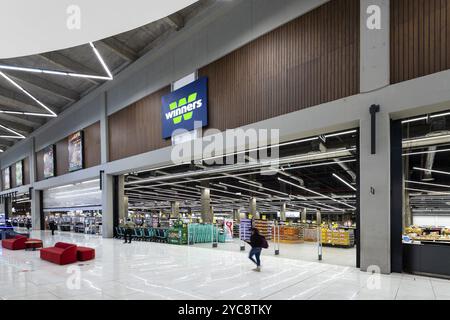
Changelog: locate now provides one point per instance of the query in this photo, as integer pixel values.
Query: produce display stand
(264, 227)
(339, 238)
(178, 234)
(291, 234)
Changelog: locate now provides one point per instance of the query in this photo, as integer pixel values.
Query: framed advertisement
(75, 145)
(6, 179)
(19, 173)
(49, 161)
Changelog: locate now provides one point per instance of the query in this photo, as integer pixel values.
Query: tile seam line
(294, 284)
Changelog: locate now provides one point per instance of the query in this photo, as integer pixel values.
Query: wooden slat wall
(137, 128)
(91, 152)
(311, 60)
(92, 146)
(26, 171)
(420, 38)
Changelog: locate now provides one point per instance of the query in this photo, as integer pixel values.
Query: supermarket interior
(305, 207)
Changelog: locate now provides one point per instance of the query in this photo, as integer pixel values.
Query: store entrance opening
(75, 207)
(425, 214)
(305, 207)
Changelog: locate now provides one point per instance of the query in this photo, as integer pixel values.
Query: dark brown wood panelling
(91, 151)
(420, 38)
(62, 157)
(40, 165)
(311, 60)
(26, 171)
(137, 128)
(92, 147)
(12, 170)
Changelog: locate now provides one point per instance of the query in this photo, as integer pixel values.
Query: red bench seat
(85, 253)
(16, 243)
(62, 253)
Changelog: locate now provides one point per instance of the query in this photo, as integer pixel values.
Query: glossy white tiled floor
(144, 270)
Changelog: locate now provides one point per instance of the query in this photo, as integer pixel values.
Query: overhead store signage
(185, 108)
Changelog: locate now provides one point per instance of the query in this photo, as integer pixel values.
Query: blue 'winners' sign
(183, 107)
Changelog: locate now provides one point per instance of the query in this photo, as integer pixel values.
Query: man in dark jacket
(256, 241)
(52, 226)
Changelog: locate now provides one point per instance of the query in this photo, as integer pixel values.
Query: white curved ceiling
(32, 27)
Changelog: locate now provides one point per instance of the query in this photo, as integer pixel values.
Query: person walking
(28, 225)
(257, 242)
(52, 226)
(129, 225)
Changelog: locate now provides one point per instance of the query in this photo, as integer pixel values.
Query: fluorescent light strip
(426, 139)
(428, 184)
(344, 182)
(18, 135)
(431, 170)
(340, 133)
(54, 72)
(425, 117)
(243, 189)
(425, 152)
(66, 73)
(99, 57)
(316, 193)
(28, 94)
(264, 188)
(428, 191)
(28, 113)
(77, 194)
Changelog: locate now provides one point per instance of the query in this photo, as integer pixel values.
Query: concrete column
(252, 208)
(107, 206)
(122, 199)
(36, 209)
(303, 215)
(375, 213)
(104, 135)
(207, 216)
(237, 215)
(375, 169)
(175, 209)
(283, 212)
(374, 58)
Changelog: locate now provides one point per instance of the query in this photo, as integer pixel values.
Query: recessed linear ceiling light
(428, 184)
(317, 193)
(18, 86)
(431, 170)
(426, 117)
(344, 182)
(428, 191)
(66, 73)
(425, 152)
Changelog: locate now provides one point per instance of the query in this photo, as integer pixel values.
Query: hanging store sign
(185, 108)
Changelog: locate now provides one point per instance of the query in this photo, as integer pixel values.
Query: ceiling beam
(176, 21)
(61, 60)
(119, 48)
(18, 101)
(16, 126)
(35, 123)
(46, 86)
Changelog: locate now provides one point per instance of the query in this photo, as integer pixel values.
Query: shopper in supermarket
(257, 242)
(129, 225)
(52, 226)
